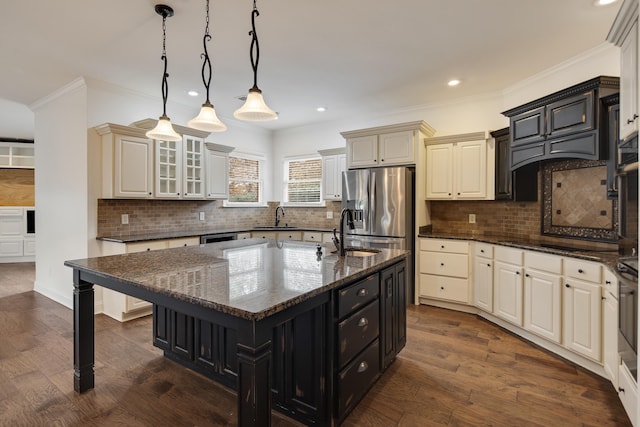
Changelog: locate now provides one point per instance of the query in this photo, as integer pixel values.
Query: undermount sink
(361, 252)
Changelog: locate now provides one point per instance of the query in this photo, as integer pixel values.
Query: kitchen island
(305, 329)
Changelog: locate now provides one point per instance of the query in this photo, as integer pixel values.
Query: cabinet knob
(607, 282)
(382, 160)
(442, 288)
(566, 285)
(442, 264)
(481, 251)
(449, 194)
(526, 275)
(517, 273)
(620, 390)
(177, 194)
(458, 194)
(363, 366)
(580, 271)
(441, 246)
(149, 192)
(363, 322)
(362, 292)
(488, 265)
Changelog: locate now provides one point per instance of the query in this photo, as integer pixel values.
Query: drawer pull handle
(363, 322)
(620, 389)
(607, 282)
(363, 366)
(362, 292)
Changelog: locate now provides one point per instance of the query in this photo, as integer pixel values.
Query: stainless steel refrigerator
(382, 201)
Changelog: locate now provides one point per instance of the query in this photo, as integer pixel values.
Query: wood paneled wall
(17, 187)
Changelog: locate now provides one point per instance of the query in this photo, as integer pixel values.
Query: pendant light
(164, 130)
(207, 120)
(254, 108)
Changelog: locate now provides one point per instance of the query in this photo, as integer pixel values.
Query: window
(302, 181)
(245, 180)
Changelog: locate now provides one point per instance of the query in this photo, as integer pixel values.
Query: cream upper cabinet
(334, 162)
(217, 170)
(17, 155)
(624, 33)
(385, 145)
(127, 162)
(460, 167)
(179, 168)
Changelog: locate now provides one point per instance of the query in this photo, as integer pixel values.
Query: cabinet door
(503, 168)
(629, 83)
(571, 115)
(362, 151)
(471, 170)
(483, 283)
(168, 169)
(507, 287)
(527, 127)
(193, 167)
(396, 148)
(133, 174)
(11, 247)
(582, 317)
(217, 174)
(440, 171)
(388, 339)
(610, 338)
(332, 168)
(542, 308)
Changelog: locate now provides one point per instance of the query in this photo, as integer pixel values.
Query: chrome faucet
(278, 218)
(340, 241)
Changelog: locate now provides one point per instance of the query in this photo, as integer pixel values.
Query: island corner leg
(83, 334)
(254, 381)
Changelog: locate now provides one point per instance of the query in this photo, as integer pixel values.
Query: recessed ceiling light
(454, 82)
(192, 93)
(604, 2)
(321, 109)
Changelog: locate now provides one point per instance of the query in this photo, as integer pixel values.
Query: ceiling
(350, 56)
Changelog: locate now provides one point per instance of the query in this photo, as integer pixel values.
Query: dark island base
(324, 359)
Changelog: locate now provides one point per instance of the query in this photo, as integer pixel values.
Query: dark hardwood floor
(457, 370)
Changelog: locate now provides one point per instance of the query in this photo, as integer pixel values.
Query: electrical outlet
(472, 218)
(124, 219)
(329, 214)
(201, 216)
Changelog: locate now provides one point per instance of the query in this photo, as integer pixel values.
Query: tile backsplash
(158, 216)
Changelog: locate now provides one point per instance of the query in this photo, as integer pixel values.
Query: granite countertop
(130, 238)
(606, 254)
(251, 278)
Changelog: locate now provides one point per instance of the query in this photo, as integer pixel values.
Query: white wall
(61, 188)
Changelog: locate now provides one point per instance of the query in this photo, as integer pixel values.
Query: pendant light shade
(164, 130)
(254, 108)
(207, 120)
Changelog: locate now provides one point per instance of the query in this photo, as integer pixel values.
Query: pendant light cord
(254, 50)
(165, 85)
(206, 65)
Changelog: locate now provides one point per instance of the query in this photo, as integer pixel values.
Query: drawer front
(150, 245)
(449, 288)
(264, 235)
(354, 381)
(357, 295)
(508, 255)
(443, 245)
(611, 283)
(543, 262)
(312, 236)
(484, 250)
(356, 331)
(187, 241)
(583, 270)
(456, 265)
(290, 235)
(11, 212)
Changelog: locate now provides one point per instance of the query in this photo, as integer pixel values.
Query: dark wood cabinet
(565, 124)
(393, 295)
(612, 106)
(324, 359)
(519, 185)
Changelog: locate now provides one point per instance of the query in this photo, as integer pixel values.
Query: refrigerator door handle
(372, 203)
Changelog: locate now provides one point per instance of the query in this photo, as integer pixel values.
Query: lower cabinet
(628, 393)
(324, 359)
(507, 292)
(582, 318)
